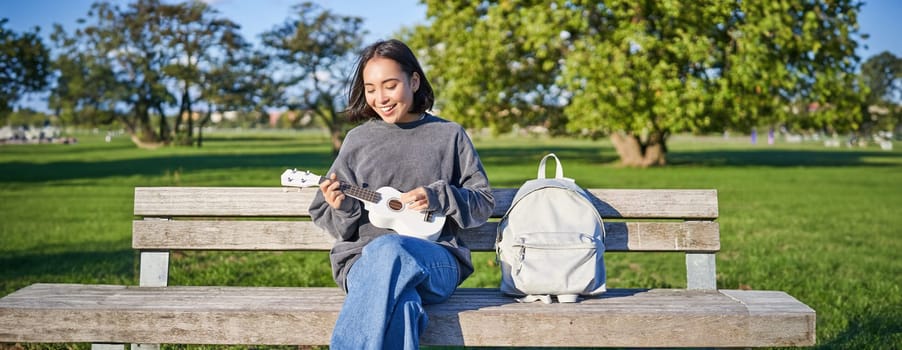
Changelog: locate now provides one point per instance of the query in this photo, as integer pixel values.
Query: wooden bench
(184, 218)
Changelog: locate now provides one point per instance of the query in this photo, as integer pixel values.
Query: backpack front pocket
(556, 263)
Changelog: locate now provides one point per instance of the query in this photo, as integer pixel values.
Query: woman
(389, 277)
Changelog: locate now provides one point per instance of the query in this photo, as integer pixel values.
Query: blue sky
(878, 18)
(382, 19)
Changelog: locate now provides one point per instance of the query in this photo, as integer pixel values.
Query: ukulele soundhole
(395, 205)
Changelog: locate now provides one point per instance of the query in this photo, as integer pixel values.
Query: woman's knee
(384, 246)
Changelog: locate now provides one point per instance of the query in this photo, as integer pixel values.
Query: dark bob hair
(423, 98)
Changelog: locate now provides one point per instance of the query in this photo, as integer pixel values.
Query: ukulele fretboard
(361, 193)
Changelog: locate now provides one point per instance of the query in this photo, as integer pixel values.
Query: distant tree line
(636, 72)
(136, 64)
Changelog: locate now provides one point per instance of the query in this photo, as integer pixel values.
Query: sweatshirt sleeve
(341, 223)
(469, 200)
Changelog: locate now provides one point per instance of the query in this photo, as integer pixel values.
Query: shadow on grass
(77, 264)
(705, 158)
(269, 140)
(872, 329)
(505, 156)
(21, 171)
(784, 158)
(154, 166)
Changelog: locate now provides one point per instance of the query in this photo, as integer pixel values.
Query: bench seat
(473, 316)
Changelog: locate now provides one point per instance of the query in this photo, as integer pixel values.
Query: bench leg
(701, 272)
(154, 269)
(154, 273)
(107, 347)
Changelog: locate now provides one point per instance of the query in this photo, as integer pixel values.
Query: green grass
(821, 224)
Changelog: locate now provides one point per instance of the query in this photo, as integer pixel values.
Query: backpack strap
(559, 170)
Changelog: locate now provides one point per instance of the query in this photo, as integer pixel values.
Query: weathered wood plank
(272, 315)
(697, 236)
(277, 201)
(762, 305)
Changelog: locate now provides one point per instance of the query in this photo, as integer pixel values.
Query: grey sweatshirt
(433, 153)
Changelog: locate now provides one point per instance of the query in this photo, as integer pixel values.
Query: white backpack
(551, 241)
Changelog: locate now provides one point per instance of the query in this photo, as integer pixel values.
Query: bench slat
(292, 202)
(273, 315)
(697, 236)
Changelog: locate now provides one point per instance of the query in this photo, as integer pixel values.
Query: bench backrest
(275, 218)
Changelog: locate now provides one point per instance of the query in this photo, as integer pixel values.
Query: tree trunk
(190, 115)
(201, 123)
(178, 120)
(165, 134)
(141, 130)
(335, 134)
(146, 131)
(336, 142)
(185, 111)
(628, 148)
(634, 153)
(332, 117)
(656, 149)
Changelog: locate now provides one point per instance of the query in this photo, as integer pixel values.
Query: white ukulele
(385, 206)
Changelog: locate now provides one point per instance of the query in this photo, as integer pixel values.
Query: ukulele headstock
(299, 178)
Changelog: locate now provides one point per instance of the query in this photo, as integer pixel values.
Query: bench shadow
(611, 242)
(870, 329)
(85, 264)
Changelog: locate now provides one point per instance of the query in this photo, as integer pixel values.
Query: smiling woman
(389, 90)
(389, 83)
(390, 275)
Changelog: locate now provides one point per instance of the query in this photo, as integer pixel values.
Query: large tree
(641, 71)
(24, 66)
(316, 48)
(202, 42)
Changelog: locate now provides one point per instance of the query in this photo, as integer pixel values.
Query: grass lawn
(822, 224)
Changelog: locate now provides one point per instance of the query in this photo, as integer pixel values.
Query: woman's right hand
(331, 189)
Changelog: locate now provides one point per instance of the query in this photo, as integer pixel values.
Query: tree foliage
(86, 89)
(203, 45)
(134, 63)
(24, 66)
(883, 75)
(641, 71)
(317, 49)
(137, 62)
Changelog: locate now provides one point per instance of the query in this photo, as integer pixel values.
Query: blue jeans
(387, 288)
